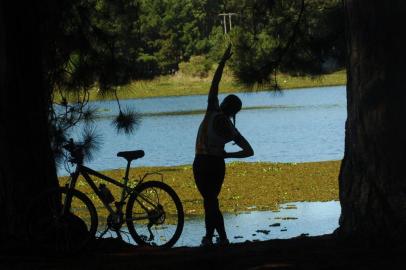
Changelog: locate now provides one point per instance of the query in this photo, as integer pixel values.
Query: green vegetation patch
(185, 85)
(247, 186)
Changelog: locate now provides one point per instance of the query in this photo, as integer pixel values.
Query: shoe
(222, 242)
(206, 242)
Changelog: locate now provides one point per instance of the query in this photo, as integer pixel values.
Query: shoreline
(227, 91)
(247, 184)
(180, 85)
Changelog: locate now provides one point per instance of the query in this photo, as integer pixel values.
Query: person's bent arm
(214, 88)
(246, 151)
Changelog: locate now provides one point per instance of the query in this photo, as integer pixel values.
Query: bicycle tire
(161, 214)
(60, 232)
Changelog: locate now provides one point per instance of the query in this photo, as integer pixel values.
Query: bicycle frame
(86, 172)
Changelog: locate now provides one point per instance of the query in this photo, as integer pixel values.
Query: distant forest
(190, 34)
(176, 31)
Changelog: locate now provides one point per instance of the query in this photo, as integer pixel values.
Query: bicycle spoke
(153, 215)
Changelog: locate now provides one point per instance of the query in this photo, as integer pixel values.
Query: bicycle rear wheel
(60, 229)
(154, 215)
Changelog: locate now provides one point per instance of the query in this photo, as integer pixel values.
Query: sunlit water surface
(292, 220)
(292, 126)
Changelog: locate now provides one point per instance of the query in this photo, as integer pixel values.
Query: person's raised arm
(214, 88)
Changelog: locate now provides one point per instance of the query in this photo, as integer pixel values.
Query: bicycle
(154, 213)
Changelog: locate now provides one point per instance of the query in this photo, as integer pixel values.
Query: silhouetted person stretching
(215, 131)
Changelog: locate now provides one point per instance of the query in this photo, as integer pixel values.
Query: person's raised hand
(227, 54)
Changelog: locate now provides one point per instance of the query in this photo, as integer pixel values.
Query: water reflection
(311, 218)
(293, 219)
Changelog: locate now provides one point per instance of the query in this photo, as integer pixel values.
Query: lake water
(309, 218)
(292, 220)
(292, 126)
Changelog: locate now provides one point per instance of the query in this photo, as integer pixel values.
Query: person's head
(231, 105)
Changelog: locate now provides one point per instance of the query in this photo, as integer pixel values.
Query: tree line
(142, 39)
(175, 31)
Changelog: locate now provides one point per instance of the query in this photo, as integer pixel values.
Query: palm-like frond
(127, 121)
(91, 142)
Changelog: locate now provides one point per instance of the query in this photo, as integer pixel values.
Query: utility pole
(229, 20)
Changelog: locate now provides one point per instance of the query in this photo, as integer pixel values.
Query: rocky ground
(322, 252)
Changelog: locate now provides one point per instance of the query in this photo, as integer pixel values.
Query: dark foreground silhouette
(322, 252)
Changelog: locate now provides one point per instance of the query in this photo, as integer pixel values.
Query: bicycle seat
(131, 155)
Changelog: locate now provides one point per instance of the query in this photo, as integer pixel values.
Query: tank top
(214, 132)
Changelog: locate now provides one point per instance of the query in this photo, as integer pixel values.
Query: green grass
(247, 186)
(181, 85)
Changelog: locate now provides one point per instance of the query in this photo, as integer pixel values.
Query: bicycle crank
(115, 222)
(156, 217)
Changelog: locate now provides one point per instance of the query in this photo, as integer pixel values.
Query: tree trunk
(372, 181)
(26, 161)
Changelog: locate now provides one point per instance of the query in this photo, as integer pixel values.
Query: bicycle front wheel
(62, 220)
(154, 215)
